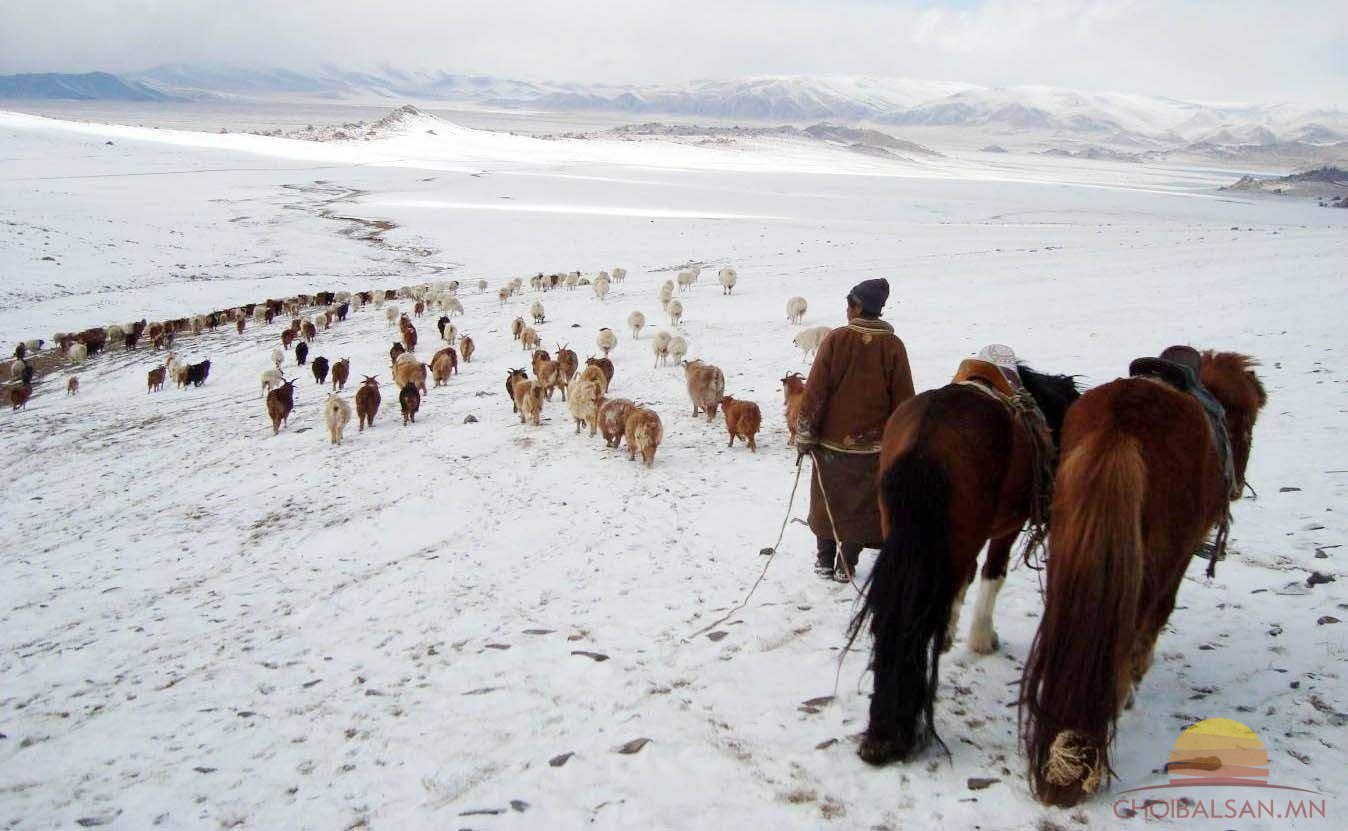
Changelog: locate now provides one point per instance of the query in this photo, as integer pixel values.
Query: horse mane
(1233, 364)
(1053, 393)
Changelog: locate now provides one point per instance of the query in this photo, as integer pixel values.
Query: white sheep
(116, 335)
(536, 282)
(336, 413)
(536, 309)
(450, 334)
(481, 286)
(271, 378)
(808, 340)
(601, 286)
(619, 274)
(503, 294)
(666, 294)
(606, 340)
(697, 272)
(795, 310)
(452, 305)
(391, 314)
(571, 279)
(685, 279)
(16, 369)
(675, 309)
(277, 358)
(660, 346)
(636, 321)
(678, 347)
(78, 353)
(728, 277)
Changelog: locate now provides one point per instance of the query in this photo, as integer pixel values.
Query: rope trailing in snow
(770, 552)
(846, 566)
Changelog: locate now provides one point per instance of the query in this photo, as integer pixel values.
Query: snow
(205, 625)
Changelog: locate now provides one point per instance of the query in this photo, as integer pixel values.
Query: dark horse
(1139, 486)
(959, 467)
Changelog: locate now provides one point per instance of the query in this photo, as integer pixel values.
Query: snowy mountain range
(1113, 118)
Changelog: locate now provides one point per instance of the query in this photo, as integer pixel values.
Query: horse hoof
(877, 751)
(984, 645)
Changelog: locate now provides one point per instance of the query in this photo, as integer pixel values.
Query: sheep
(808, 340)
(18, 396)
(582, 399)
(660, 345)
(529, 339)
(666, 294)
(391, 315)
(513, 375)
(548, 375)
(528, 396)
(449, 334)
(643, 433)
(116, 334)
(277, 357)
(517, 327)
(685, 279)
(706, 385)
(636, 321)
(78, 353)
(466, 348)
(678, 347)
(536, 282)
(601, 287)
(675, 310)
(319, 366)
(453, 306)
(367, 402)
(72, 385)
(481, 286)
(409, 399)
(196, 373)
(567, 363)
(280, 402)
(443, 365)
(503, 294)
(613, 419)
(20, 350)
(795, 310)
(728, 277)
(336, 413)
(742, 420)
(793, 393)
(536, 310)
(619, 274)
(271, 378)
(17, 367)
(410, 372)
(571, 280)
(301, 353)
(606, 340)
(605, 366)
(340, 372)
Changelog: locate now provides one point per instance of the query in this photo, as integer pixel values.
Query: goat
(418, 308)
(793, 393)
(706, 385)
(567, 363)
(271, 378)
(410, 372)
(277, 357)
(643, 432)
(795, 310)
(391, 314)
(742, 420)
(517, 327)
(613, 419)
(336, 413)
(583, 399)
(440, 325)
(367, 402)
(410, 337)
(280, 402)
(197, 373)
(340, 372)
(728, 277)
(678, 347)
(78, 353)
(595, 374)
(660, 345)
(605, 366)
(320, 369)
(444, 364)
(636, 321)
(536, 310)
(512, 376)
(548, 375)
(239, 324)
(675, 310)
(466, 348)
(301, 353)
(606, 340)
(72, 385)
(18, 396)
(528, 397)
(409, 399)
(808, 340)
(287, 338)
(529, 339)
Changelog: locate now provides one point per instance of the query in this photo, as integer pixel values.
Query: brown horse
(958, 468)
(1139, 486)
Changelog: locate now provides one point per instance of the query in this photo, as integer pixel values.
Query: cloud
(1210, 49)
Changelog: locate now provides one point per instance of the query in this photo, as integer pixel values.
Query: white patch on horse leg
(953, 626)
(982, 636)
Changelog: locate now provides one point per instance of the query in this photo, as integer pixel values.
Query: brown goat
(516, 327)
(605, 366)
(513, 375)
(155, 379)
(613, 420)
(367, 402)
(442, 366)
(528, 397)
(410, 372)
(466, 348)
(287, 337)
(410, 337)
(643, 433)
(453, 356)
(410, 401)
(309, 331)
(567, 362)
(706, 385)
(742, 419)
(280, 402)
(793, 393)
(72, 385)
(18, 396)
(239, 324)
(394, 351)
(340, 372)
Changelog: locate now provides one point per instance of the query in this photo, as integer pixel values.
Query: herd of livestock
(583, 388)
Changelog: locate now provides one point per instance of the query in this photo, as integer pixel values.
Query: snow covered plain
(207, 626)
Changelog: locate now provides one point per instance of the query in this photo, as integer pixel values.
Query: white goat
(271, 378)
(336, 413)
(808, 340)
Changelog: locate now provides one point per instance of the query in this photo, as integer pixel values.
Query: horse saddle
(986, 374)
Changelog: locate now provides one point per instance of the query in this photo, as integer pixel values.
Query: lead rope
(847, 567)
(770, 552)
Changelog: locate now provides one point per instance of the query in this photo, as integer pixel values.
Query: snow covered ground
(204, 625)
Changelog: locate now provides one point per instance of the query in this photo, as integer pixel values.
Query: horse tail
(907, 601)
(1079, 672)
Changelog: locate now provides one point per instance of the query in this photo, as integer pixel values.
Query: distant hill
(1328, 184)
(89, 86)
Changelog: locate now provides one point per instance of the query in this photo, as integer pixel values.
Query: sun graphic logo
(1218, 751)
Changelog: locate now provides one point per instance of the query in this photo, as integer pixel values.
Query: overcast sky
(1208, 49)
